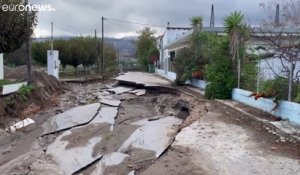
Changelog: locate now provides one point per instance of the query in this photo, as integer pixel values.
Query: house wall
(269, 66)
(170, 36)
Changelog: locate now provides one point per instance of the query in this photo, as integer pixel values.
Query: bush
(24, 91)
(249, 75)
(184, 65)
(220, 76)
(297, 99)
(278, 87)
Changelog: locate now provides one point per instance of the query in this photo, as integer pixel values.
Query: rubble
(20, 125)
(138, 92)
(119, 90)
(109, 102)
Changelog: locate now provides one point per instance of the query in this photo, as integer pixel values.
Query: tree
(146, 47)
(13, 31)
(282, 44)
(75, 51)
(197, 23)
(16, 58)
(39, 52)
(238, 33)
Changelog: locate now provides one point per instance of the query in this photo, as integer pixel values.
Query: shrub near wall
(220, 76)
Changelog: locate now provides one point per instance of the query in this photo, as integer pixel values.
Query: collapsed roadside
(124, 133)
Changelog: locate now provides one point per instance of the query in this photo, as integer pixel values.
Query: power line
(136, 23)
(64, 22)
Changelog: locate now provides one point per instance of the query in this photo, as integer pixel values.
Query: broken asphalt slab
(119, 90)
(106, 115)
(145, 79)
(70, 161)
(109, 160)
(152, 135)
(138, 92)
(75, 149)
(73, 117)
(110, 102)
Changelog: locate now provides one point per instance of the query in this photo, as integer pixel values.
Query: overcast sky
(82, 17)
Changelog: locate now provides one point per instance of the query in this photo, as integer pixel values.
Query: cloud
(82, 17)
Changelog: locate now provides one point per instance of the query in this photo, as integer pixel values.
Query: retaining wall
(11, 88)
(286, 110)
(168, 75)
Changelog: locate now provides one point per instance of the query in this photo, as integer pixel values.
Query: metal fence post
(290, 82)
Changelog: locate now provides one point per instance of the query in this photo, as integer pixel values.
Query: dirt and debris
(159, 132)
(16, 107)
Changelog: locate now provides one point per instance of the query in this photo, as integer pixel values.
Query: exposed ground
(16, 107)
(156, 133)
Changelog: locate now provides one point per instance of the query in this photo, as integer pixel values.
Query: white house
(171, 35)
(174, 39)
(171, 44)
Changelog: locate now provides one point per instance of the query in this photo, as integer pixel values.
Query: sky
(82, 17)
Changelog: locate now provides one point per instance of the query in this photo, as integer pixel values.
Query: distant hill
(126, 46)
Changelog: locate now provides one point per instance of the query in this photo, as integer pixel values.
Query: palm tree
(238, 33)
(197, 23)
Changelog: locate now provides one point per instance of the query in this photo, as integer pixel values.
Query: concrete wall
(286, 110)
(198, 83)
(11, 88)
(1, 67)
(168, 75)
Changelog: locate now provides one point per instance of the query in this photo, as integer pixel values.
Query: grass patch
(7, 82)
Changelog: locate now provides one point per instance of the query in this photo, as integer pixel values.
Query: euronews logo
(28, 7)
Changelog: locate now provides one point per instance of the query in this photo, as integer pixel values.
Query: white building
(167, 54)
(174, 39)
(171, 42)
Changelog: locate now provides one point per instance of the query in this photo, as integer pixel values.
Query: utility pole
(97, 52)
(102, 60)
(119, 61)
(28, 46)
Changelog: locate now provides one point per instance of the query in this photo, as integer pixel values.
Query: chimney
(277, 16)
(212, 17)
